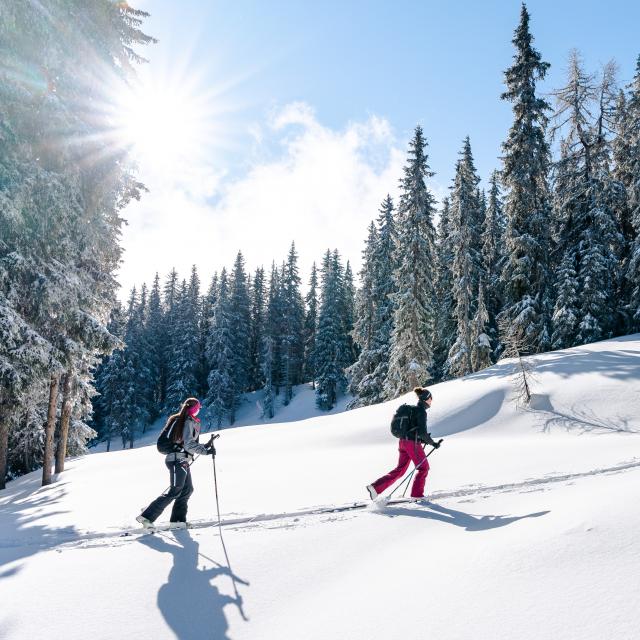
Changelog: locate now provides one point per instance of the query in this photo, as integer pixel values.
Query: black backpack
(165, 443)
(404, 421)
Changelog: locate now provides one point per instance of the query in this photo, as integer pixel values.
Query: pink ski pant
(410, 451)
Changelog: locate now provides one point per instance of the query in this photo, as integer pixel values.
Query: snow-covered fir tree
(384, 265)
(348, 312)
(526, 280)
(292, 340)
(566, 309)
(146, 376)
(445, 326)
(170, 292)
(481, 349)
(331, 344)
(207, 304)
(59, 213)
(411, 354)
(220, 395)
(310, 325)
(268, 393)
(109, 404)
(240, 318)
(156, 348)
(256, 337)
(493, 256)
(465, 233)
(273, 328)
(183, 359)
(587, 197)
(628, 173)
(364, 330)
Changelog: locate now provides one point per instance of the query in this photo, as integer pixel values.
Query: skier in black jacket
(411, 450)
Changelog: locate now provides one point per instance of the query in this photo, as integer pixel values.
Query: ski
(380, 503)
(155, 529)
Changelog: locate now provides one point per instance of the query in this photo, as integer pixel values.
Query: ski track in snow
(123, 536)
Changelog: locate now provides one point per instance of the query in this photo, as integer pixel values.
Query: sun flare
(165, 124)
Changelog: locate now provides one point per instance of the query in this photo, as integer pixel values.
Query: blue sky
(345, 63)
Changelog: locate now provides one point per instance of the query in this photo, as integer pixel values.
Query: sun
(165, 123)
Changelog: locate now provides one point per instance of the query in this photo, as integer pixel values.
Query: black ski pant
(180, 490)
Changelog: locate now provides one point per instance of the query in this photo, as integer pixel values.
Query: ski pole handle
(434, 448)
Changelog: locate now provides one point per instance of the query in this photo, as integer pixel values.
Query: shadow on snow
(24, 503)
(461, 519)
(579, 418)
(467, 418)
(619, 364)
(191, 604)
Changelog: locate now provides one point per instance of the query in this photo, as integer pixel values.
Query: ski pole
(414, 470)
(224, 546)
(215, 478)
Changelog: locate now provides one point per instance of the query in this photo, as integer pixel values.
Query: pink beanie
(194, 409)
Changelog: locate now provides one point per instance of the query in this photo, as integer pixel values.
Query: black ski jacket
(421, 434)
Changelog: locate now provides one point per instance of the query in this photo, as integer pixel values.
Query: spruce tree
(240, 318)
(525, 275)
(134, 375)
(256, 338)
(292, 343)
(156, 348)
(465, 233)
(411, 356)
(109, 384)
(60, 195)
(168, 332)
(183, 360)
(364, 331)
(493, 256)
(205, 313)
(268, 396)
(273, 328)
(480, 342)
(587, 197)
(445, 320)
(310, 325)
(220, 395)
(385, 257)
(630, 177)
(331, 345)
(348, 313)
(566, 309)
(622, 163)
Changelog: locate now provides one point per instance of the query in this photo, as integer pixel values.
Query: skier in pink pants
(414, 435)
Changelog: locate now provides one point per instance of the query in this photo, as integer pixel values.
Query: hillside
(301, 407)
(531, 531)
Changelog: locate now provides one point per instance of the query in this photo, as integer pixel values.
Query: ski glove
(211, 450)
(432, 443)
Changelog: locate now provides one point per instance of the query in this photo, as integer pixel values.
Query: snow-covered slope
(532, 532)
(301, 407)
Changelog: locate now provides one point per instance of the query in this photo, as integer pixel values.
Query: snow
(250, 412)
(531, 532)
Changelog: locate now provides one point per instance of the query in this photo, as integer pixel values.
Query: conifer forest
(544, 251)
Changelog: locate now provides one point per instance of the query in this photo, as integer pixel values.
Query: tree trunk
(50, 429)
(65, 418)
(4, 445)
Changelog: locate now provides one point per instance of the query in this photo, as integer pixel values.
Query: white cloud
(321, 191)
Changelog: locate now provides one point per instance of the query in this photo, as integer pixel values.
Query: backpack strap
(177, 446)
